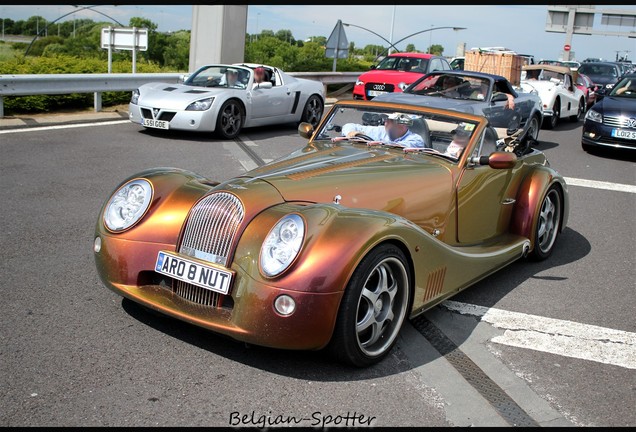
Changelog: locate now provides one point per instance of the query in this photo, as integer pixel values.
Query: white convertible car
(556, 86)
(210, 100)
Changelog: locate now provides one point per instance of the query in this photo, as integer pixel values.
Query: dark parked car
(603, 74)
(475, 93)
(611, 122)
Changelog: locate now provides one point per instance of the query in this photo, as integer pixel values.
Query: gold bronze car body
(455, 222)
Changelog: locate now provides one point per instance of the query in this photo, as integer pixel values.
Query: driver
(394, 131)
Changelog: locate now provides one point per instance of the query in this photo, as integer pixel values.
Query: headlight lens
(200, 105)
(135, 97)
(282, 244)
(128, 205)
(358, 82)
(594, 116)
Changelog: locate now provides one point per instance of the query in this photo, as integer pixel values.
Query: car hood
(539, 86)
(616, 106)
(176, 96)
(390, 76)
(417, 187)
(463, 105)
(602, 79)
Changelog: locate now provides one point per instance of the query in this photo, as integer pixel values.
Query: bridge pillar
(218, 34)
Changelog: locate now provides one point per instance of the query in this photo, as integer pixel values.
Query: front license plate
(206, 276)
(157, 124)
(619, 133)
(375, 93)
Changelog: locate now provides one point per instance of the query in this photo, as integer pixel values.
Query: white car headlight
(282, 244)
(200, 105)
(594, 116)
(135, 97)
(358, 82)
(128, 205)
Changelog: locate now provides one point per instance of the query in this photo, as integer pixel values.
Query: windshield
(454, 86)
(219, 76)
(403, 64)
(590, 69)
(440, 135)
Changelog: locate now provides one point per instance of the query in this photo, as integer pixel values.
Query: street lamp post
(419, 32)
(371, 31)
(430, 41)
(59, 18)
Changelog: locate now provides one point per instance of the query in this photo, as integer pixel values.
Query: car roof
(412, 54)
(553, 68)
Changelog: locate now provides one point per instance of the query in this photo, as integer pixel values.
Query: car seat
(420, 127)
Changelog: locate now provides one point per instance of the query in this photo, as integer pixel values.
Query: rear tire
(312, 112)
(373, 309)
(580, 113)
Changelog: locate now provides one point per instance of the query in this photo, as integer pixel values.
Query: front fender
(174, 192)
(529, 199)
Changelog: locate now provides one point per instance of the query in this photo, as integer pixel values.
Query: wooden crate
(505, 64)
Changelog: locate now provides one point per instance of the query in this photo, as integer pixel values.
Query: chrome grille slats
(212, 226)
(620, 121)
(196, 294)
(209, 234)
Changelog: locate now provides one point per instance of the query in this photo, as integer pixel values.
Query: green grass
(6, 51)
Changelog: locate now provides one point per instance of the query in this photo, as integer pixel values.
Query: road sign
(567, 47)
(337, 44)
(125, 38)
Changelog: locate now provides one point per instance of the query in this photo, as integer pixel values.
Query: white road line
(68, 126)
(600, 185)
(564, 338)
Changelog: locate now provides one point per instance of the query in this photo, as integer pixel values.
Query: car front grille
(624, 122)
(209, 234)
(165, 115)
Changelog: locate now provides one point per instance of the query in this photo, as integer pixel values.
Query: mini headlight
(595, 116)
(200, 105)
(128, 205)
(135, 97)
(282, 244)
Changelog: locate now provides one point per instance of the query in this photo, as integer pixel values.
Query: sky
(518, 27)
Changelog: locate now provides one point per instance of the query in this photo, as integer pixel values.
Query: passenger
(394, 131)
(259, 75)
(449, 86)
(461, 137)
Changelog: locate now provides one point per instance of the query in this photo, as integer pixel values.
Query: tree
(410, 48)
(436, 49)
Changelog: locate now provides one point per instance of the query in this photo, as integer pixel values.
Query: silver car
(224, 99)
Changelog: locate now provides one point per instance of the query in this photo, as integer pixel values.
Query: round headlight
(128, 205)
(282, 244)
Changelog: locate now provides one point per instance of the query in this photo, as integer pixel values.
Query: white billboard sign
(125, 38)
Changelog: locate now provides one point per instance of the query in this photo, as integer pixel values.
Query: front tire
(373, 308)
(230, 120)
(548, 225)
(554, 118)
(312, 112)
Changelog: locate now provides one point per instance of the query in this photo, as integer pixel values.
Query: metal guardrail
(34, 84)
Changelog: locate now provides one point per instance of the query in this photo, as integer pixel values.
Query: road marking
(68, 126)
(600, 185)
(564, 338)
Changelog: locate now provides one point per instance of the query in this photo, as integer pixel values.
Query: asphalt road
(73, 353)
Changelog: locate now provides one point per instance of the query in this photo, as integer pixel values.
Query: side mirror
(305, 130)
(497, 160)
